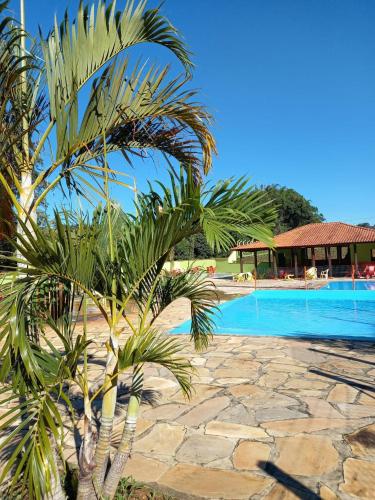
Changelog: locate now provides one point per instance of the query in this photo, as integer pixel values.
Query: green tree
(293, 209)
(366, 224)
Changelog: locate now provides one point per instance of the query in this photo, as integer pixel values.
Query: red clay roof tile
(315, 235)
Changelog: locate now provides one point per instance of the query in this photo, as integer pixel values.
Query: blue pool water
(339, 314)
(348, 285)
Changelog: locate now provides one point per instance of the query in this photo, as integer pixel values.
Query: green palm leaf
(74, 52)
(151, 346)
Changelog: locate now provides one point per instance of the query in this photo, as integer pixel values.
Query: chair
(249, 277)
(369, 271)
(312, 273)
(243, 277)
(324, 274)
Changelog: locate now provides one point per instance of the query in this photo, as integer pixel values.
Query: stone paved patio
(270, 418)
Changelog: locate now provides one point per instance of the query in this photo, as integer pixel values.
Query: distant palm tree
(46, 117)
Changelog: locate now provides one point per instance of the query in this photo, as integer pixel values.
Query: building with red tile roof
(334, 245)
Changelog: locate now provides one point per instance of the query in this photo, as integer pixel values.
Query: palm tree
(76, 255)
(131, 108)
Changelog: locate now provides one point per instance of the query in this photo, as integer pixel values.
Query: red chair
(369, 271)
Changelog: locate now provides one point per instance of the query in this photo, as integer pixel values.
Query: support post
(329, 261)
(353, 276)
(313, 256)
(255, 260)
(355, 258)
(274, 264)
(241, 262)
(269, 257)
(295, 263)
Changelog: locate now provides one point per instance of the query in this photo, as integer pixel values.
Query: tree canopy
(293, 208)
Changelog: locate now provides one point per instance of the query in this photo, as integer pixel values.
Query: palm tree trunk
(124, 450)
(86, 463)
(108, 414)
(27, 197)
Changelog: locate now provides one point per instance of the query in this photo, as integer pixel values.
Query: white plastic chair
(324, 274)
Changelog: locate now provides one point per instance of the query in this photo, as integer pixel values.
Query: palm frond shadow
(289, 482)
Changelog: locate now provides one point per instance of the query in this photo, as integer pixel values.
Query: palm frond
(32, 426)
(74, 52)
(135, 113)
(151, 346)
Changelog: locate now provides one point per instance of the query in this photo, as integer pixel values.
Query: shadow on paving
(296, 487)
(362, 347)
(351, 358)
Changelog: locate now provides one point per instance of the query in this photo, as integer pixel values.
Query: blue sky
(291, 84)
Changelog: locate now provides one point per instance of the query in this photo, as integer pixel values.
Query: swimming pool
(348, 285)
(339, 314)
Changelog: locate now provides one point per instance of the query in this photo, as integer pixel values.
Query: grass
(133, 490)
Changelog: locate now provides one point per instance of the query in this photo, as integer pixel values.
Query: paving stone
(306, 455)
(272, 379)
(359, 478)
(248, 390)
(227, 381)
(270, 400)
(326, 493)
(198, 361)
(307, 425)
(269, 353)
(160, 384)
(367, 399)
(278, 367)
(248, 454)
(213, 483)
(234, 373)
(202, 449)
(200, 393)
(231, 430)
(355, 411)
(163, 439)
(238, 414)
(342, 393)
(242, 364)
(277, 413)
(204, 411)
(214, 362)
(301, 383)
(144, 469)
(281, 492)
(362, 442)
(309, 356)
(320, 408)
(168, 411)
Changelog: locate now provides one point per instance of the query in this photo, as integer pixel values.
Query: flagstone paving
(270, 418)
